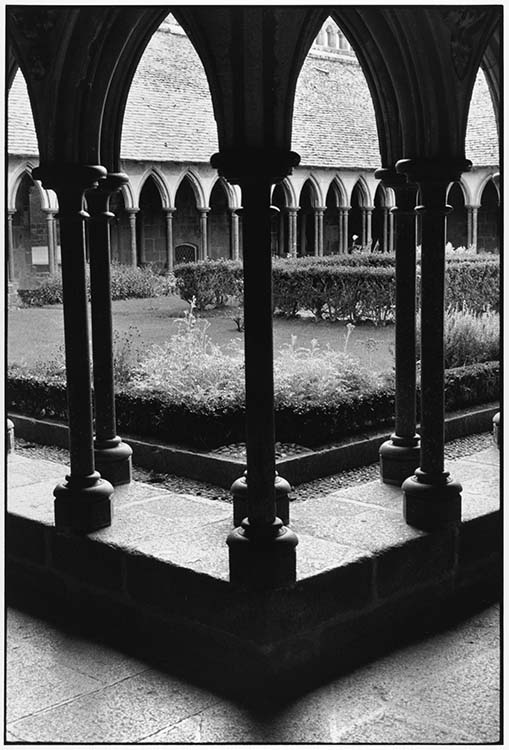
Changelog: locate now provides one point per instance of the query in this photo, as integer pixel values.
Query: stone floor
(63, 689)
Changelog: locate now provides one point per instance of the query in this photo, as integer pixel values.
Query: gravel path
(316, 488)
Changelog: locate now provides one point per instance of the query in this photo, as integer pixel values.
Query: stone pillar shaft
(390, 248)
(318, 212)
(368, 213)
(204, 233)
(10, 246)
(234, 235)
(82, 503)
(344, 228)
(52, 260)
(169, 238)
(131, 212)
(385, 230)
(472, 215)
(260, 431)
(292, 232)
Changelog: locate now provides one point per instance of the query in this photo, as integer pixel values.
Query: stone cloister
(175, 207)
(420, 64)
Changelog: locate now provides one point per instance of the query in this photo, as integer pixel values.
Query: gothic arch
(160, 183)
(227, 189)
(195, 183)
(340, 191)
(47, 197)
(317, 198)
(363, 192)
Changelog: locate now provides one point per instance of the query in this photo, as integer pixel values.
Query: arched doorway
(186, 222)
(30, 250)
(306, 220)
(331, 243)
(120, 233)
(151, 227)
(457, 220)
(488, 236)
(219, 223)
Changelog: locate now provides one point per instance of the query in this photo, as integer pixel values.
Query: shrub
(469, 337)
(476, 283)
(209, 282)
(47, 292)
(126, 282)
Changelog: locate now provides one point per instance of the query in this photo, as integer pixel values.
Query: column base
(431, 502)
(497, 432)
(262, 558)
(83, 505)
(10, 442)
(239, 493)
(397, 462)
(113, 460)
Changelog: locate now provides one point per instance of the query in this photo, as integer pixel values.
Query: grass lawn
(36, 333)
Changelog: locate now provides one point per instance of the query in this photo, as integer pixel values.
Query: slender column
(303, 237)
(10, 245)
(472, 214)
(262, 550)
(234, 235)
(390, 246)
(431, 498)
(82, 502)
(50, 219)
(344, 211)
(292, 231)
(169, 238)
(400, 455)
(203, 233)
(319, 212)
(112, 456)
(368, 213)
(131, 212)
(385, 229)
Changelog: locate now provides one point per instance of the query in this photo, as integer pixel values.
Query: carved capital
(253, 165)
(421, 171)
(464, 23)
(62, 177)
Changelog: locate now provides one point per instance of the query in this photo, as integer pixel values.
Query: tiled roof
(169, 111)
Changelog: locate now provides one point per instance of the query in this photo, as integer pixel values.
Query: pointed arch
(363, 192)
(228, 191)
(339, 190)
(288, 191)
(317, 198)
(196, 186)
(47, 197)
(160, 183)
(461, 186)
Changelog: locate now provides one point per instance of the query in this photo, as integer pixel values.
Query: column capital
(240, 165)
(60, 177)
(367, 208)
(50, 212)
(292, 209)
(203, 209)
(320, 208)
(11, 212)
(433, 170)
(131, 210)
(169, 210)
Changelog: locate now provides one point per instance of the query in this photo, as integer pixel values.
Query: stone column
(112, 456)
(431, 498)
(390, 247)
(343, 228)
(385, 230)
(131, 212)
(52, 259)
(262, 550)
(10, 245)
(169, 237)
(82, 502)
(292, 231)
(319, 212)
(400, 455)
(234, 235)
(203, 233)
(367, 215)
(472, 213)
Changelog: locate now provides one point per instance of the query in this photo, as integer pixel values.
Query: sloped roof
(169, 113)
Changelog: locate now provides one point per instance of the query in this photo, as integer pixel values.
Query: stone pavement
(64, 689)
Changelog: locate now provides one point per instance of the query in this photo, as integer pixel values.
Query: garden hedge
(151, 417)
(354, 287)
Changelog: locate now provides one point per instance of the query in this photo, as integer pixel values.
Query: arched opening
(151, 230)
(219, 223)
(331, 222)
(278, 223)
(381, 221)
(120, 233)
(306, 220)
(31, 247)
(186, 222)
(356, 237)
(488, 233)
(457, 233)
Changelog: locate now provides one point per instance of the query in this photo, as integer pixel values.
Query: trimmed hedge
(127, 282)
(210, 282)
(152, 417)
(354, 287)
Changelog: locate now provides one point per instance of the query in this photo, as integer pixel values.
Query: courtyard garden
(179, 348)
